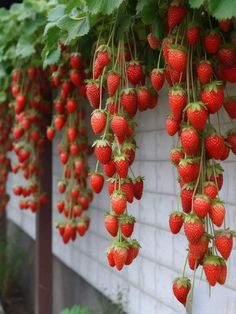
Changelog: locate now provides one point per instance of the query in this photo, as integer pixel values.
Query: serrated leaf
(224, 9)
(71, 4)
(52, 57)
(32, 25)
(103, 6)
(123, 24)
(196, 3)
(56, 13)
(24, 47)
(74, 27)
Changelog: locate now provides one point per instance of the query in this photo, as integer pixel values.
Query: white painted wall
(148, 281)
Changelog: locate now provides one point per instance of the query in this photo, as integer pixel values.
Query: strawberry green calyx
(213, 86)
(211, 260)
(120, 245)
(138, 179)
(232, 131)
(192, 218)
(126, 219)
(128, 91)
(177, 213)
(118, 193)
(101, 143)
(196, 106)
(182, 282)
(93, 82)
(121, 157)
(217, 201)
(134, 243)
(189, 186)
(128, 146)
(103, 48)
(98, 111)
(215, 169)
(157, 71)
(178, 47)
(223, 233)
(189, 160)
(177, 89)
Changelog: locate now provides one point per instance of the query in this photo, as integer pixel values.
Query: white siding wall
(147, 282)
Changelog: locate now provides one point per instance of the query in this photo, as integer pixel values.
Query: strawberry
(172, 126)
(214, 144)
(109, 168)
(103, 151)
(154, 43)
(231, 139)
(126, 225)
(176, 154)
(177, 100)
(118, 202)
(128, 188)
(75, 60)
(93, 93)
(174, 77)
(176, 220)
(96, 182)
(210, 189)
(226, 54)
(113, 82)
(153, 99)
(215, 174)
(129, 150)
(226, 151)
(212, 96)
(111, 224)
(230, 106)
(211, 266)
(75, 78)
(225, 24)
(228, 73)
(188, 169)
(175, 15)
(121, 165)
(193, 33)
(97, 69)
(134, 72)
(119, 126)
(98, 121)
(143, 98)
(212, 42)
(204, 71)
(177, 58)
(59, 122)
(103, 56)
(201, 205)
(110, 257)
(138, 187)
(190, 140)
(181, 287)
(224, 242)
(197, 115)
(128, 99)
(199, 249)
(193, 228)
(186, 196)
(223, 272)
(120, 255)
(157, 79)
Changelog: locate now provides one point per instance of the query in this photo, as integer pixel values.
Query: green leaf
(157, 28)
(196, 3)
(123, 24)
(24, 47)
(74, 27)
(224, 9)
(103, 6)
(141, 4)
(150, 12)
(51, 57)
(3, 96)
(56, 13)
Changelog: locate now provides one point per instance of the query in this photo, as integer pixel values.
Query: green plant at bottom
(76, 309)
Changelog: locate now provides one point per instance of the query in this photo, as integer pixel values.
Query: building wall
(147, 283)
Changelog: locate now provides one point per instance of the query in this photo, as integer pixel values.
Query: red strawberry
(193, 33)
(110, 257)
(230, 106)
(96, 182)
(175, 14)
(186, 196)
(224, 242)
(177, 101)
(176, 220)
(214, 144)
(204, 71)
(231, 139)
(128, 188)
(176, 154)
(93, 93)
(225, 24)
(172, 126)
(126, 225)
(212, 96)
(174, 77)
(128, 101)
(134, 72)
(188, 169)
(98, 121)
(97, 69)
(193, 228)
(212, 42)
(122, 165)
(197, 115)
(157, 78)
(59, 122)
(103, 151)
(75, 78)
(75, 60)
(120, 255)
(111, 224)
(109, 168)
(113, 82)
(103, 56)
(119, 126)
(199, 249)
(211, 266)
(181, 287)
(190, 140)
(143, 98)
(118, 202)
(138, 187)
(210, 189)
(223, 272)
(215, 174)
(129, 150)
(154, 43)
(226, 55)
(228, 73)
(201, 205)
(177, 58)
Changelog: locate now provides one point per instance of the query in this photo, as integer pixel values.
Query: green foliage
(103, 6)
(222, 9)
(76, 309)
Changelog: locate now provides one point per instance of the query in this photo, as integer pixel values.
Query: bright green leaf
(56, 13)
(103, 6)
(196, 3)
(222, 9)
(150, 12)
(52, 57)
(24, 47)
(74, 27)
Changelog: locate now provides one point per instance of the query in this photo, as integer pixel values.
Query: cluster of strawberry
(198, 64)
(5, 146)
(115, 150)
(73, 148)
(31, 93)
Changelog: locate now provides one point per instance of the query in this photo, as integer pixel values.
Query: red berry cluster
(31, 93)
(5, 146)
(199, 59)
(73, 148)
(119, 75)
